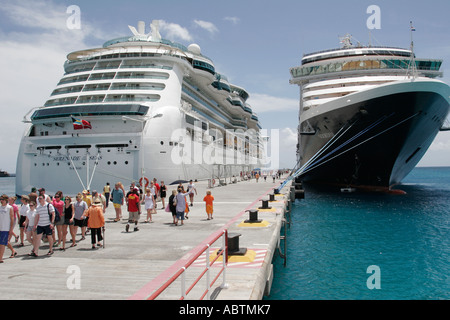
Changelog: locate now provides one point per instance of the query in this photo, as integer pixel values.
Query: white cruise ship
(367, 114)
(138, 108)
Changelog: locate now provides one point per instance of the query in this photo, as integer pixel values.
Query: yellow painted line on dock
(267, 210)
(249, 256)
(261, 224)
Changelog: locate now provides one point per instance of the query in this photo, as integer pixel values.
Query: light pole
(142, 121)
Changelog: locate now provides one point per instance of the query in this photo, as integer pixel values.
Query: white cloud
(261, 102)
(32, 63)
(441, 143)
(208, 26)
(233, 20)
(281, 147)
(35, 14)
(288, 147)
(174, 31)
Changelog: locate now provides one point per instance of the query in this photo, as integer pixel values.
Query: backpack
(57, 215)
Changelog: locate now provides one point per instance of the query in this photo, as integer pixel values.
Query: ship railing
(210, 259)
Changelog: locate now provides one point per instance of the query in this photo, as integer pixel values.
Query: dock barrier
(222, 252)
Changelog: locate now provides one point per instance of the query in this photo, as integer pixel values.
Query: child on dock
(209, 204)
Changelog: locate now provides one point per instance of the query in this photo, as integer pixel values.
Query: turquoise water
(8, 186)
(334, 238)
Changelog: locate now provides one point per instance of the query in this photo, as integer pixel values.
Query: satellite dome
(195, 49)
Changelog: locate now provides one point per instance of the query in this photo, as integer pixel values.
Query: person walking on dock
(6, 227)
(69, 214)
(209, 204)
(134, 208)
(96, 221)
(107, 193)
(181, 205)
(149, 201)
(173, 206)
(117, 196)
(191, 189)
(23, 217)
(80, 206)
(44, 224)
(29, 223)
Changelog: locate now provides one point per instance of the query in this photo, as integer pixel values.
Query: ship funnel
(141, 27)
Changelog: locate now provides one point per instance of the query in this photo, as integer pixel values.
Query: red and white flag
(80, 124)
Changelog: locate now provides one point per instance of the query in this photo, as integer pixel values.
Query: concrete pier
(135, 264)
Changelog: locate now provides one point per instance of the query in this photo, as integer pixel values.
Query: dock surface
(134, 264)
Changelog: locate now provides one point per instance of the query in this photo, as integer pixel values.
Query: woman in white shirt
(29, 223)
(149, 200)
(191, 189)
(23, 216)
(6, 227)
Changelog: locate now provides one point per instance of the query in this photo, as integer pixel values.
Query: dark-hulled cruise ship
(367, 114)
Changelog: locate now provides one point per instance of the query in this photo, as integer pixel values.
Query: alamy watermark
(374, 280)
(73, 22)
(374, 21)
(73, 281)
(229, 147)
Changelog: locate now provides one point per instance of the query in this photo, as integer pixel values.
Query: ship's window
(32, 131)
(120, 145)
(94, 87)
(89, 110)
(73, 79)
(84, 146)
(138, 86)
(67, 90)
(108, 65)
(91, 99)
(58, 102)
(80, 67)
(142, 75)
(102, 76)
(133, 97)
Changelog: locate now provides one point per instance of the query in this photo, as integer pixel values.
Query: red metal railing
(222, 252)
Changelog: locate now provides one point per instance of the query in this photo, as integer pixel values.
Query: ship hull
(372, 139)
(88, 160)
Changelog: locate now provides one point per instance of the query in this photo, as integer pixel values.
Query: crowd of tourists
(56, 220)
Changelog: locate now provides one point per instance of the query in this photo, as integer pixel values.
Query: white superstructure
(157, 109)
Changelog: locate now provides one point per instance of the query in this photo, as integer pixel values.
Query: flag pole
(412, 64)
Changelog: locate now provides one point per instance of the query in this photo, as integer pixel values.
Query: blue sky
(253, 43)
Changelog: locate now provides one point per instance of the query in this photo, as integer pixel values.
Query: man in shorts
(117, 200)
(134, 209)
(6, 226)
(44, 224)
